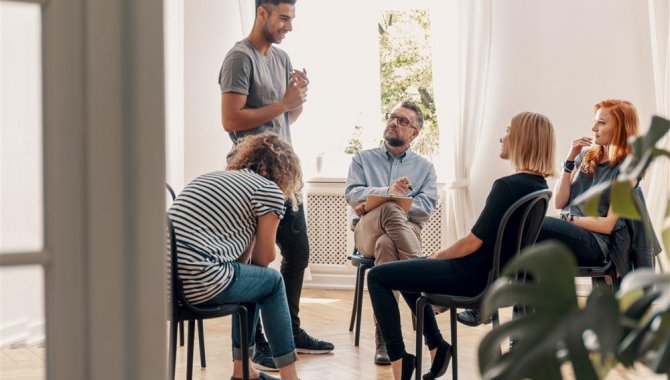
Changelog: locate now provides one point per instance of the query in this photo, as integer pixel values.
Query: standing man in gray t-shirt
(261, 92)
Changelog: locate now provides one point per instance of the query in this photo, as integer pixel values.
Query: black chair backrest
(531, 210)
(169, 189)
(175, 284)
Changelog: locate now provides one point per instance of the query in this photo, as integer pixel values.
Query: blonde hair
(532, 143)
(272, 158)
(627, 124)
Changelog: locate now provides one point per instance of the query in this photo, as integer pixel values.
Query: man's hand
(296, 92)
(360, 209)
(401, 186)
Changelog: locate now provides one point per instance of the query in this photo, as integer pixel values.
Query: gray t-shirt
(263, 79)
(581, 183)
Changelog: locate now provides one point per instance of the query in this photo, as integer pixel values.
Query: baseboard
(327, 276)
(23, 331)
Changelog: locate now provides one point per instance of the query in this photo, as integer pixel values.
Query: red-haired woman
(591, 161)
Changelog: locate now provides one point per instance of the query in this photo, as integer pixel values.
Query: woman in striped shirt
(225, 225)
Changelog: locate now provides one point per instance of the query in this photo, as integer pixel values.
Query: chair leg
(454, 344)
(242, 315)
(420, 310)
(189, 350)
(359, 304)
(201, 344)
(355, 304)
(173, 348)
(181, 333)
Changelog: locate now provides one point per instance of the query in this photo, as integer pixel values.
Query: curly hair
(272, 158)
(627, 125)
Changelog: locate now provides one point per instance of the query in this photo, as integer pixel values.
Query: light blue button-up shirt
(374, 171)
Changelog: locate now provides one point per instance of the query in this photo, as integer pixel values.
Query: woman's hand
(577, 146)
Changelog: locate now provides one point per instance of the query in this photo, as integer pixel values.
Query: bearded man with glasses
(386, 233)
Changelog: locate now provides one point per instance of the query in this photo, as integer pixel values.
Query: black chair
(363, 263)
(607, 272)
(531, 210)
(201, 337)
(182, 310)
(199, 323)
(636, 249)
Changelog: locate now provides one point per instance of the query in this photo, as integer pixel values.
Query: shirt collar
(389, 156)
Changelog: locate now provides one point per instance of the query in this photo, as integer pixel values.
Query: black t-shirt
(504, 192)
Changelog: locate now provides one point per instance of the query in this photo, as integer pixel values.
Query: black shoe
(440, 362)
(381, 354)
(305, 344)
(513, 343)
(408, 365)
(472, 317)
(262, 359)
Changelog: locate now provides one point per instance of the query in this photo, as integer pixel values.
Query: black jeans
(294, 246)
(582, 243)
(411, 277)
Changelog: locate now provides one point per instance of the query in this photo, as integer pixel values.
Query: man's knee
(391, 210)
(385, 250)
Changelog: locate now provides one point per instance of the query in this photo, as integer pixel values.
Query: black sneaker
(305, 344)
(472, 317)
(262, 359)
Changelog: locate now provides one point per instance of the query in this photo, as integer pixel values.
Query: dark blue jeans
(582, 243)
(411, 277)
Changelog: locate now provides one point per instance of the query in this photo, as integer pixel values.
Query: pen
(410, 187)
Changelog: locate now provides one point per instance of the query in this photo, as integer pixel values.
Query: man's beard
(394, 141)
(268, 36)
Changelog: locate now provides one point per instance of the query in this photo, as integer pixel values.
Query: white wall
(209, 32)
(559, 58)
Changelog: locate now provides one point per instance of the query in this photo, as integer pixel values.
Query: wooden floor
(325, 314)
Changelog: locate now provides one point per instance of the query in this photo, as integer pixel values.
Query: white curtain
(659, 174)
(461, 55)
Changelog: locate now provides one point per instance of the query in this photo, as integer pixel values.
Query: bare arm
(235, 117)
(562, 189)
(266, 234)
(603, 225)
(463, 247)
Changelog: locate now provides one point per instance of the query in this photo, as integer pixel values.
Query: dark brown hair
(272, 158)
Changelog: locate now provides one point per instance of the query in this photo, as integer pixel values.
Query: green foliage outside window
(406, 70)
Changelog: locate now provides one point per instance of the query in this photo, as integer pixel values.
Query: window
(359, 68)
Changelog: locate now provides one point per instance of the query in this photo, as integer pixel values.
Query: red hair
(627, 124)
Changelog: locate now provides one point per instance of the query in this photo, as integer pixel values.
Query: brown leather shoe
(381, 355)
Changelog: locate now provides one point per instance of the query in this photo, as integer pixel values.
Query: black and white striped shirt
(215, 218)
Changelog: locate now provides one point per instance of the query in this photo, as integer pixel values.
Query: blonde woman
(225, 227)
(462, 268)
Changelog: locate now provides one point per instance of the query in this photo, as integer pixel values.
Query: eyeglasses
(402, 121)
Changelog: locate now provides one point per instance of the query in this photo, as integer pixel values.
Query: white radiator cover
(331, 239)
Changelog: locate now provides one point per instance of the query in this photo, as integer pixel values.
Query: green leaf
(659, 127)
(555, 324)
(622, 202)
(590, 199)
